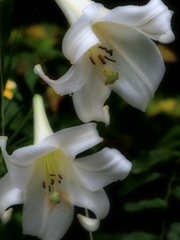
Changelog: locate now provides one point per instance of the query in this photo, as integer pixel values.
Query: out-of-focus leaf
(134, 182)
(174, 232)
(176, 192)
(169, 106)
(6, 8)
(54, 99)
(127, 236)
(167, 53)
(171, 140)
(145, 204)
(145, 161)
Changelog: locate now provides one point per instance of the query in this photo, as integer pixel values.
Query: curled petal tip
(106, 112)
(87, 223)
(6, 215)
(166, 38)
(37, 68)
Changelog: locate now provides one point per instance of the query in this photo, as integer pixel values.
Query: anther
(109, 51)
(44, 184)
(49, 188)
(59, 181)
(52, 174)
(52, 181)
(101, 58)
(101, 47)
(93, 62)
(112, 60)
(60, 176)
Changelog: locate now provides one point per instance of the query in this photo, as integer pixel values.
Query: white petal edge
(87, 223)
(75, 140)
(70, 82)
(73, 9)
(96, 201)
(152, 19)
(9, 195)
(96, 171)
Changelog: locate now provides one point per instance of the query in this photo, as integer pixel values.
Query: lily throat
(101, 57)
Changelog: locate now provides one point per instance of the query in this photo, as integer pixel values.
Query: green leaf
(127, 236)
(148, 160)
(174, 232)
(134, 182)
(176, 192)
(145, 204)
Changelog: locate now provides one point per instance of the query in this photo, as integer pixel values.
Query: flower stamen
(93, 62)
(52, 181)
(60, 176)
(101, 58)
(112, 60)
(103, 48)
(44, 185)
(110, 52)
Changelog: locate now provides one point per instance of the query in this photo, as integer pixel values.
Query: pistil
(52, 178)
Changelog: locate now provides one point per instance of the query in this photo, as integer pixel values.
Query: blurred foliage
(145, 206)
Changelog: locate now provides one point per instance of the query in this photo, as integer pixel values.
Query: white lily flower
(111, 50)
(49, 181)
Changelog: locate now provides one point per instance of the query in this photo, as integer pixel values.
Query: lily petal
(152, 19)
(80, 37)
(41, 217)
(75, 140)
(89, 224)
(139, 75)
(69, 82)
(42, 128)
(100, 169)
(96, 201)
(9, 194)
(89, 100)
(73, 9)
(19, 164)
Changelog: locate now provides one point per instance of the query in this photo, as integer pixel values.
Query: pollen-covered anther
(101, 58)
(101, 47)
(93, 62)
(52, 181)
(112, 60)
(110, 52)
(44, 185)
(52, 174)
(60, 177)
